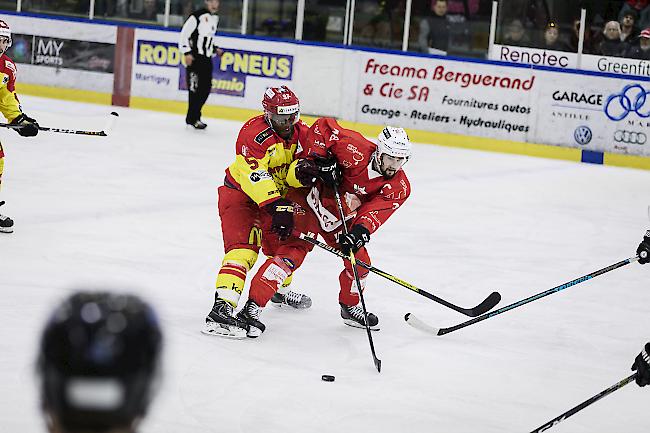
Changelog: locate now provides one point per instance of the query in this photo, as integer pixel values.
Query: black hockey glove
(354, 240)
(281, 211)
(28, 126)
(306, 172)
(328, 171)
(642, 366)
(644, 249)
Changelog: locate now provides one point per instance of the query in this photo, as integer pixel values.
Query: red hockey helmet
(281, 105)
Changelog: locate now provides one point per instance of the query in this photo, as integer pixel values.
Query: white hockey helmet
(5, 31)
(395, 143)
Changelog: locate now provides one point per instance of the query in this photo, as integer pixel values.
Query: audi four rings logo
(632, 99)
(582, 135)
(630, 137)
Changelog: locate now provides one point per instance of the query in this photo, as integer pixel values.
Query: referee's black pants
(199, 84)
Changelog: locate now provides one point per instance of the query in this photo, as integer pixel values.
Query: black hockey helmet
(99, 361)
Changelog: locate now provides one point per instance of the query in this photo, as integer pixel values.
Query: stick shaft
(58, 130)
(584, 404)
(357, 280)
(538, 296)
(482, 308)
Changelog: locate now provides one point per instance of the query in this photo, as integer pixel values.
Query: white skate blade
(283, 306)
(225, 331)
(254, 332)
(355, 324)
(6, 229)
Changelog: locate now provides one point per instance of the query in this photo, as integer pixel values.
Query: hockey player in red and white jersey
(372, 187)
(251, 202)
(10, 108)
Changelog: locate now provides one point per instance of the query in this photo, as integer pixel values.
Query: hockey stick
(488, 303)
(417, 323)
(353, 262)
(101, 133)
(584, 404)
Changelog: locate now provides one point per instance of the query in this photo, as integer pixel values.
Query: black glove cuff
(360, 231)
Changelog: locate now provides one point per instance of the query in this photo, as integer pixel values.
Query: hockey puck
(327, 378)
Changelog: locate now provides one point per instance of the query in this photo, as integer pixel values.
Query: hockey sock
(284, 288)
(230, 282)
(269, 278)
(349, 293)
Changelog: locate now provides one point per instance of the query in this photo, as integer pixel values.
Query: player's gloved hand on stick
(328, 170)
(644, 249)
(28, 126)
(306, 172)
(642, 366)
(357, 237)
(281, 211)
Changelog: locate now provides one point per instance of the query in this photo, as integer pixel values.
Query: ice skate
(222, 323)
(198, 125)
(353, 316)
(6, 223)
(250, 314)
(291, 300)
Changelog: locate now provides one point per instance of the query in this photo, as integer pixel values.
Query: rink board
(514, 108)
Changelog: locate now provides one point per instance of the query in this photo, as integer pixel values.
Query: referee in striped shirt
(198, 45)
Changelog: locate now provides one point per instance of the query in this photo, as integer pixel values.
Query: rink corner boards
(418, 136)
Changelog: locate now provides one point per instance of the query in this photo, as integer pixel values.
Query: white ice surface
(138, 210)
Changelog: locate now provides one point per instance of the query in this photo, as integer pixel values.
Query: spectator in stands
(629, 31)
(434, 30)
(516, 35)
(641, 7)
(532, 13)
(641, 51)
(315, 22)
(552, 39)
(587, 44)
(149, 11)
(611, 44)
(457, 7)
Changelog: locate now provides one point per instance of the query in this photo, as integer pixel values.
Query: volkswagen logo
(630, 137)
(632, 99)
(582, 135)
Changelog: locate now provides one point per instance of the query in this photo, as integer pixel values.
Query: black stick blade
(489, 303)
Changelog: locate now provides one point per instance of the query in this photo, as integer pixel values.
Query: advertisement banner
(534, 56)
(600, 114)
(159, 70)
(63, 53)
(446, 96)
(616, 65)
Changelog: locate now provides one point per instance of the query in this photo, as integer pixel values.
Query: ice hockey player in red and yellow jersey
(253, 193)
(372, 187)
(10, 108)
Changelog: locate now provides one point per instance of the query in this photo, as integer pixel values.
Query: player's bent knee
(241, 256)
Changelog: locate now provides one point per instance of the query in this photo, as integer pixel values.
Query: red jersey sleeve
(376, 211)
(322, 135)
(9, 105)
